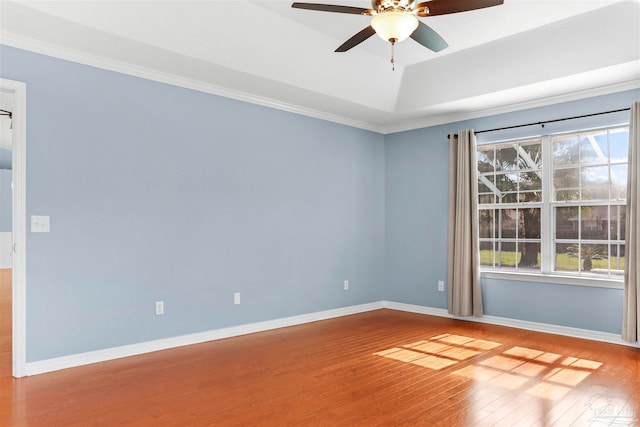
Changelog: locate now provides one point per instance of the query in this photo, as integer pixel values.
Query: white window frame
(547, 229)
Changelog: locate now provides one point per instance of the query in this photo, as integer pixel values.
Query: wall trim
(515, 323)
(459, 116)
(105, 63)
(44, 48)
(75, 360)
(18, 90)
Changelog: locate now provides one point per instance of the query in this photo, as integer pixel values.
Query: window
(554, 204)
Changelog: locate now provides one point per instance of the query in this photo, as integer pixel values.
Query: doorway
(6, 228)
(13, 229)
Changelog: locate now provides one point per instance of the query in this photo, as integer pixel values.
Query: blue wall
(161, 193)
(417, 218)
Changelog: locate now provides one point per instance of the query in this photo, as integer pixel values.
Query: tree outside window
(586, 178)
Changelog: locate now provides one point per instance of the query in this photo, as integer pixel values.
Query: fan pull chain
(393, 61)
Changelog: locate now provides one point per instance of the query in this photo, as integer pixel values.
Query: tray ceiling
(523, 53)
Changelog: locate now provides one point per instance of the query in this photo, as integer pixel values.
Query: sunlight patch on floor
(440, 351)
(536, 373)
(543, 375)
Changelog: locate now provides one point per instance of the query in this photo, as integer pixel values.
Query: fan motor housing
(393, 5)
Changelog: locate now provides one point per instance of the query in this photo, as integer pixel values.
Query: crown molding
(41, 47)
(424, 122)
(73, 55)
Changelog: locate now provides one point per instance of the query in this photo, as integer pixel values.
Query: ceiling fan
(396, 20)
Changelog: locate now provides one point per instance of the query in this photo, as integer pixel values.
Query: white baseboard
(49, 365)
(74, 360)
(515, 323)
(420, 309)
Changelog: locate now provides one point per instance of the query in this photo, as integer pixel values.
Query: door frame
(19, 226)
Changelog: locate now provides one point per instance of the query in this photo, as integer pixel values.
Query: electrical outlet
(159, 307)
(39, 223)
(441, 285)
(346, 285)
(236, 298)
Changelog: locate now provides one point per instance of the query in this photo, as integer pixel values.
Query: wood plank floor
(382, 368)
(5, 325)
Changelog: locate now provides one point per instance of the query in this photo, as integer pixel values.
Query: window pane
(619, 143)
(617, 259)
(485, 157)
(620, 217)
(483, 187)
(507, 158)
(594, 147)
(565, 150)
(508, 223)
(614, 223)
(529, 255)
(566, 178)
(594, 222)
(566, 257)
(530, 196)
(595, 183)
(487, 223)
(567, 222)
(529, 223)
(595, 258)
(531, 154)
(530, 181)
(507, 182)
(619, 181)
(487, 254)
(508, 254)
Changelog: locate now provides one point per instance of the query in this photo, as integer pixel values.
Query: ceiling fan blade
(428, 38)
(444, 7)
(332, 8)
(356, 39)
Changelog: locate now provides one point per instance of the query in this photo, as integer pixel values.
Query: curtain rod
(551, 121)
(6, 113)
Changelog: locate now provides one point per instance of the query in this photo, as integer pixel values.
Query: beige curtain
(465, 294)
(631, 316)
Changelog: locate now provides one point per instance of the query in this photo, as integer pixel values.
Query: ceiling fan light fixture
(396, 26)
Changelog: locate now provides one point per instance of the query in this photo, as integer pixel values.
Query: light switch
(39, 224)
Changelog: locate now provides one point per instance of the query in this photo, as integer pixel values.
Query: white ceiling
(521, 54)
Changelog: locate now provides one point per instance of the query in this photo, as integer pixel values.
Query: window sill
(558, 279)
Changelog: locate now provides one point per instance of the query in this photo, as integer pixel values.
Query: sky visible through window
(579, 224)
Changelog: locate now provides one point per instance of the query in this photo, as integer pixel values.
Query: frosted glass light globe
(394, 25)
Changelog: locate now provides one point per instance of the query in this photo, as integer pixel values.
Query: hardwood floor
(380, 368)
(5, 325)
